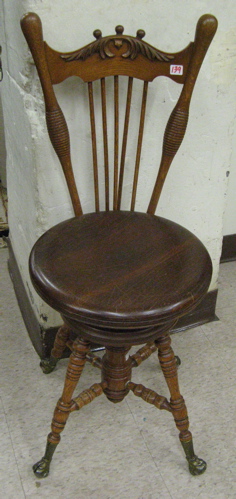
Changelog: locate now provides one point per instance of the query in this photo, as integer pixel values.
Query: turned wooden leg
(64, 405)
(62, 336)
(177, 404)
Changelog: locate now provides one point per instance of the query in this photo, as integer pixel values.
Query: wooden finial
(119, 29)
(140, 34)
(97, 34)
(206, 27)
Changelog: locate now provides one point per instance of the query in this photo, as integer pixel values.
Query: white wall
(194, 194)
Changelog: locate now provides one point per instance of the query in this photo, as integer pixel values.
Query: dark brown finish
(94, 360)
(123, 268)
(94, 145)
(228, 249)
(204, 312)
(105, 143)
(118, 278)
(116, 140)
(124, 142)
(43, 338)
(1, 70)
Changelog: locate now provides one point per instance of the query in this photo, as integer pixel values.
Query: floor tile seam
(154, 461)
(212, 343)
(221, 323)
(213, 347)
(149, 451)
(12, 445)
(217, 352)
(223, 327)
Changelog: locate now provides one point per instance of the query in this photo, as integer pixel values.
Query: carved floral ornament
(103, 46)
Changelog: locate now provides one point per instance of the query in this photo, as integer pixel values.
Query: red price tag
(176, 69)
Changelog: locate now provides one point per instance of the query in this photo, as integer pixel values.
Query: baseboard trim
(42, 339)
(35, 331)
(203, 313)
(228, 253)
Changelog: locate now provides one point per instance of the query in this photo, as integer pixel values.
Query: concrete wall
(229, 226)
(194, 194)
(3, 176)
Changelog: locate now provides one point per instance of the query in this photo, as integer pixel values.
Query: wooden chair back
(115, 56)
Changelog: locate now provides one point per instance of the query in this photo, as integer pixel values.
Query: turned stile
(56, 123)
(177, 123)
(175, 129)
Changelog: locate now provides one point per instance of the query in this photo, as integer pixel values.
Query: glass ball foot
(41, 468)
(197, 466)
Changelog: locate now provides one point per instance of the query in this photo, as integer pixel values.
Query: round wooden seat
(120, 270)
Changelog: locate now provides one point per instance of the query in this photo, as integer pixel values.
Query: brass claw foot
(41, 468)
(48, 365)
(196, 465)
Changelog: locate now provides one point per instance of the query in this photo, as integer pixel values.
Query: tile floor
(129, 450)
